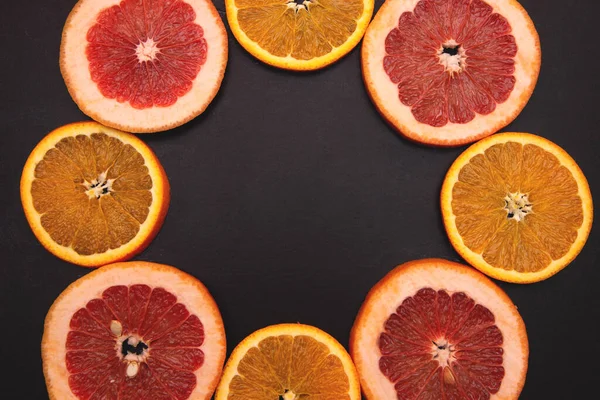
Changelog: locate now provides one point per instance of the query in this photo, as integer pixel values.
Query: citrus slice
(143, 66)
(449, 72)
(299, 34)
(93, 195)
(434, 329)
(517, 207)
(289, 362)
(133, 331)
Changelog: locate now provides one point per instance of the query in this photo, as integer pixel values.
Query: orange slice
(143, 66)
(450, 72)
(299, 34)
(517, 207)
(290, 362)
(434, 329)
(93, 195)
(133, 331)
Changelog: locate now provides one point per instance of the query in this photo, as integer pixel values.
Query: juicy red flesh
(435, 95)
(475, 370)
(174, 338)
(114, 65)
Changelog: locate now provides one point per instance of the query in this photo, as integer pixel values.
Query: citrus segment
(517, 207)
(143, 66)
(92, 194)
(434, 329)
(135, 340)
(448, 72)
(299, 34)
(290, 362)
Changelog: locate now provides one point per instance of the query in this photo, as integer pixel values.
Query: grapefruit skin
(31, 215)
(57, 380)
(374, 298)
(137, 121)
(411, 129)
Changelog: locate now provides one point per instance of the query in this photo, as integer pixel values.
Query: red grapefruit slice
(434, 329)
(143, 66)
(449, 72)
(133, 331)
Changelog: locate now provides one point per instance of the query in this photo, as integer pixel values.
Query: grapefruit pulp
(449, 72)
(136, 330)
(434, 329)
(143, 65)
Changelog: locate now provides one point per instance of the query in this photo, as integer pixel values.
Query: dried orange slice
(449, 72)
(93, 195)
(133, 331)
(299, 34)
(143, 66)
(290, 362)
(517, 207)
(434, 329)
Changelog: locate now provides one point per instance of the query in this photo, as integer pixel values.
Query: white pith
(85, 92)
(384, 300)
(443, 352)
(299, 6)
(147, 50)
(189, 292)
(452, 63)
(385, 92)
(517, 206)
(99, 187)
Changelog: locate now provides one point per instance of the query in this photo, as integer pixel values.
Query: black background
(291, 197)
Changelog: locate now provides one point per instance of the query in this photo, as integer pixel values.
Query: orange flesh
(304, 33)
(76, 216)
(286, 366)
(544, 234)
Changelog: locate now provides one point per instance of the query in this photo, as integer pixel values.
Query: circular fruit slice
(517, 207)
(299, 34)
(434, 329)
(134, 330)
(449, 72)
(93, 195)
(290, 362)
(143, 66)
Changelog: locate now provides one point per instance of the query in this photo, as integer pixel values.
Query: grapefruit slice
(289, 362)
(434, 329)
(517, 207)
(143, 66)
(94, 195)
(299, 34)
(449, 72)
(134, 330)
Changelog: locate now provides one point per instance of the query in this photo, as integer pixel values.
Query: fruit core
(298, 5)
(134, 342)
(98, 187)
(451, 60)
(146, 53)
(517, 206)
(439, 342)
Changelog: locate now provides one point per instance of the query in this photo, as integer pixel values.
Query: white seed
(449, 377)
(132, 369)
(116, 328)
